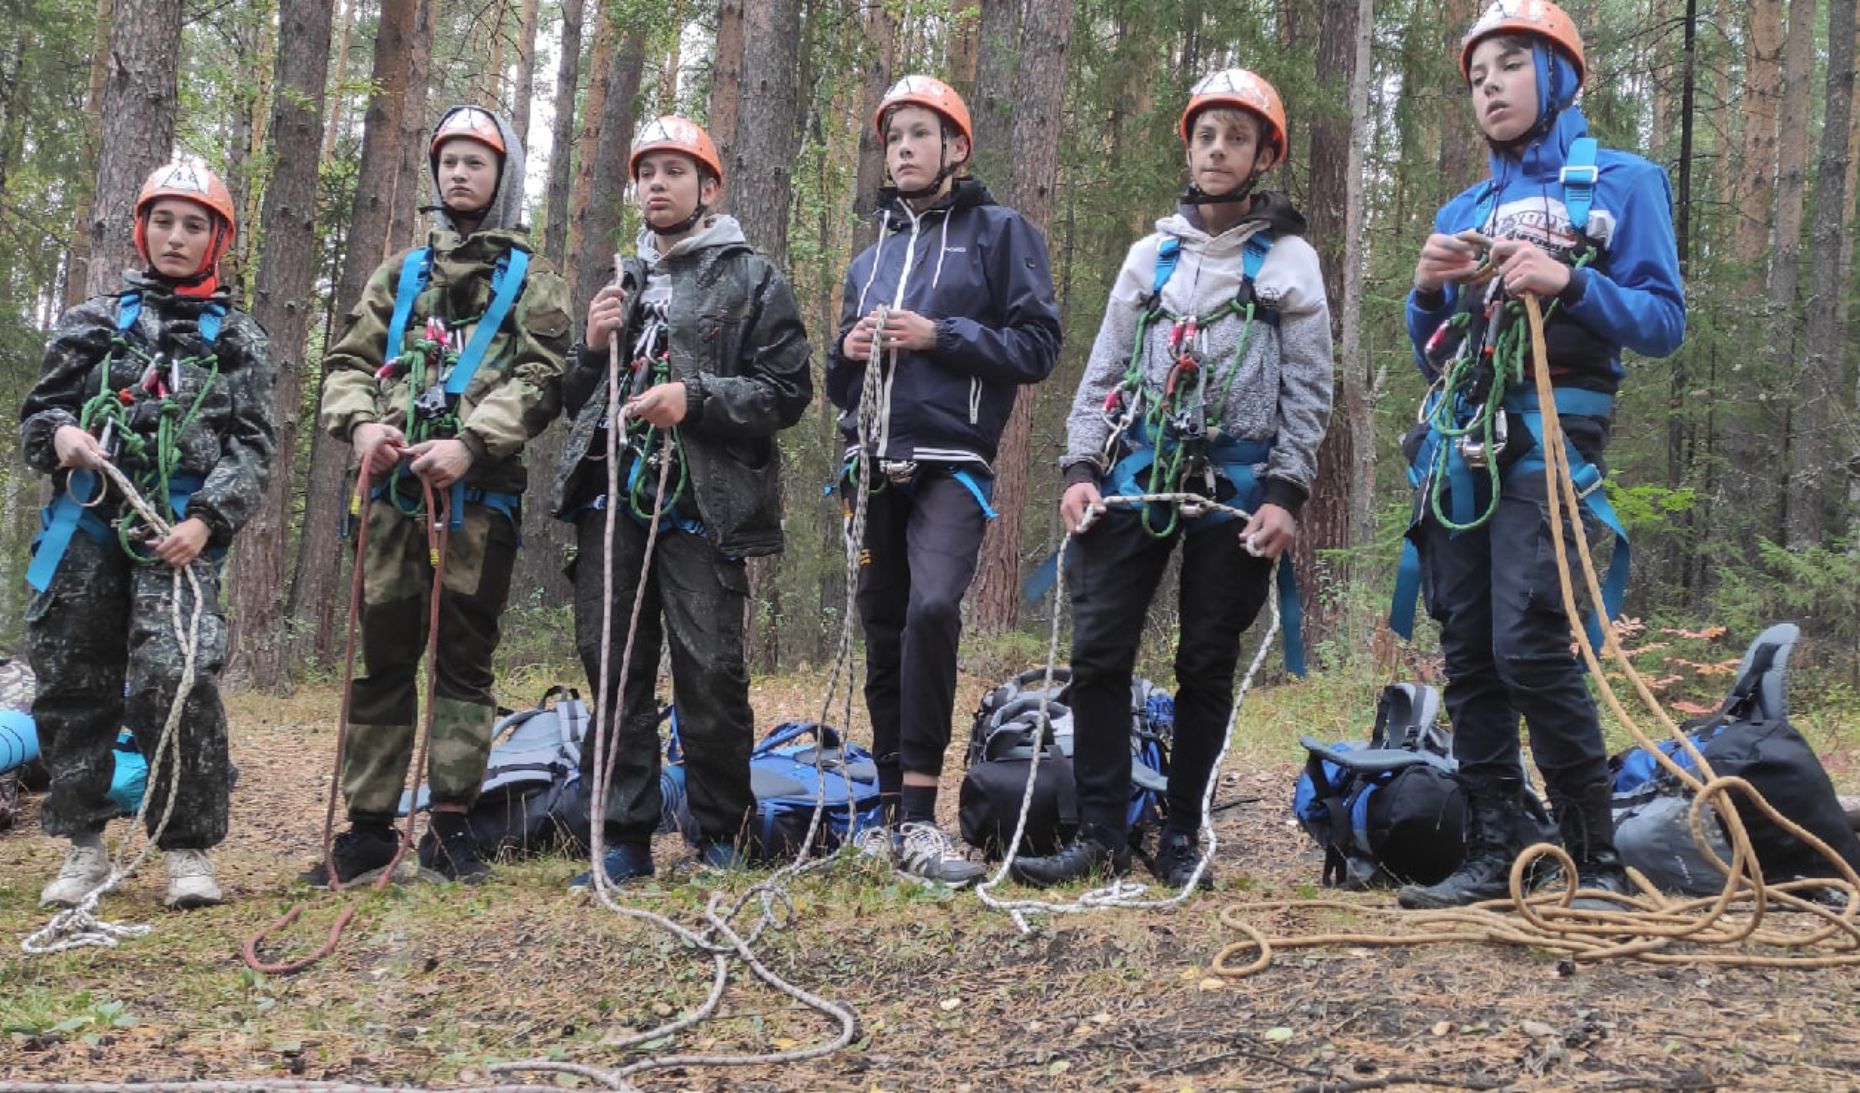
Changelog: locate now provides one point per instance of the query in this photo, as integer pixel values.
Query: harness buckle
(1586, 175)
(898, 472)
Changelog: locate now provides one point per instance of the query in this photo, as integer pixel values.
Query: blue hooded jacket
(980, 272)
(1630, 297)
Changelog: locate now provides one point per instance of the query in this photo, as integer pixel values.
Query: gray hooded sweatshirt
(1282, 393)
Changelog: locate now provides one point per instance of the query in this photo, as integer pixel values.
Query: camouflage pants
(104, 619)
(397, 578)
(694, 601)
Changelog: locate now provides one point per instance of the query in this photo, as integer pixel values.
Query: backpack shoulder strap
(1578, 178)
(415, 269)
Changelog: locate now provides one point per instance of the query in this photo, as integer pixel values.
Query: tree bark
(998, 56)
(726, 82)
(880, 57)
(1461, 146)
(562, 137)
(337, 110)
(140, 92)
(965, 35)
(525, 88)
(1756, 174)
(79, 260)
(599, 224)
(377, 228)
(600, 66)
(763, 170)
(282, 304)
(1822, 362)
(1337, 516)
(1038, 124)
(1786, 254)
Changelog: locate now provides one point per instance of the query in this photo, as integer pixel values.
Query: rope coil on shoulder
(1650, 923)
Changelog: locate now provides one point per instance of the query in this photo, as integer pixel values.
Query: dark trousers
(694, 601)
(921, 543)
(104, 619)
(1506, 639)
(1111, 576)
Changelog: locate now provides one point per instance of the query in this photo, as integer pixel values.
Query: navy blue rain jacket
(980, 271)
(1630, 297)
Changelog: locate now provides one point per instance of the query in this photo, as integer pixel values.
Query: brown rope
(1650, 925)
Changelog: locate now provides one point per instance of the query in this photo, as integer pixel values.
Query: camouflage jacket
(227, 443)
(516, 391)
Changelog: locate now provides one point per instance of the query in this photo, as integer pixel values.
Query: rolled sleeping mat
(19, 740)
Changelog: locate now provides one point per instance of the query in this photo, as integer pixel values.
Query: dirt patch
(435, 983)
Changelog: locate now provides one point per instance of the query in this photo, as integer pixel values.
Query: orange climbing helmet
(672, 133)
(1244, 90)
(1538, 17)
(471, 122)
(189, 180)
(930, 93)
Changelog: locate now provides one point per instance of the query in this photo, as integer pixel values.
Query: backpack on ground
(1007, 730)
(1749, 736)
(796, 766)
(1391, 811)
(531, 800)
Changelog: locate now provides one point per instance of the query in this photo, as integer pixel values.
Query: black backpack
(1390, 811)
(1749, 737)
(1009, 727)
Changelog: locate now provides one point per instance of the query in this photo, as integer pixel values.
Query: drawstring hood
(506, 208)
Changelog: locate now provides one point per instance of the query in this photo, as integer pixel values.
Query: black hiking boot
(366, 847)
(1177, 855)
(1092, 853)
(1586, 820)
(449, 849)
(1494, 809)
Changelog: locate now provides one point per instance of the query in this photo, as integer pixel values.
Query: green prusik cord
(639, 500)
(1173, 460)
(1510, 352)
(421, 428)
(160, 459)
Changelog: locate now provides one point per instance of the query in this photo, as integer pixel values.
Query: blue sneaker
(720, 854)
(623, 862)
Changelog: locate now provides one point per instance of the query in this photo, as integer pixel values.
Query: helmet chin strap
(943, 171)
(1195, 195)
(687, 223)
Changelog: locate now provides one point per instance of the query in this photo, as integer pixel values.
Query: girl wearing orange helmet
(1229, 384)
(119, 372)
(1589, 232)
(966, 299)
(717, 363)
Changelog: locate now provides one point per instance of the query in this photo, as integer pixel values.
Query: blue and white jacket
(980, 271)
(1630, 297)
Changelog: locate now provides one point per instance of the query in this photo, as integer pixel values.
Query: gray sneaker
(879, 844)
(191, 882)
(87, 866)
(926, 852)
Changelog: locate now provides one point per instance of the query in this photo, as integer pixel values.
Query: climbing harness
(719, 939)
(1480, 388)
(139, 426)
(1650, 924)
(437, 534)
(79, 926)
(439, 369)
(1125, 893)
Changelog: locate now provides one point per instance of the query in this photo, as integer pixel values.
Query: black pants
(1506, 638)
(104, 619)
(921, 543)
(1111, 576)
(694, 601)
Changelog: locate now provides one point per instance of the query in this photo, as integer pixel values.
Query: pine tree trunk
(1461, 147)
(876, 64)
(337, 110)
(282, 304)
(965, 19)
(1786, 254)
(1038, 123)
(140, 92)
(726, 83)
(1822, 362)
(1337, 515)
(78, 261)
(600, 71)
(1755, 193)
(377, 228)
(562, 137)
(524, 90)
(998, 56)
(598, 227)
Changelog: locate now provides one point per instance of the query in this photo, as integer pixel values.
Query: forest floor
(432, 982)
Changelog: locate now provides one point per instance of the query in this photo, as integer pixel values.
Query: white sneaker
(87, 865)
(930, 854)
(879, 843)
(191, 882)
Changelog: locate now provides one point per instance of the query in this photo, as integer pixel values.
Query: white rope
(79, 926)
(719, 939)
(1125, 893)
